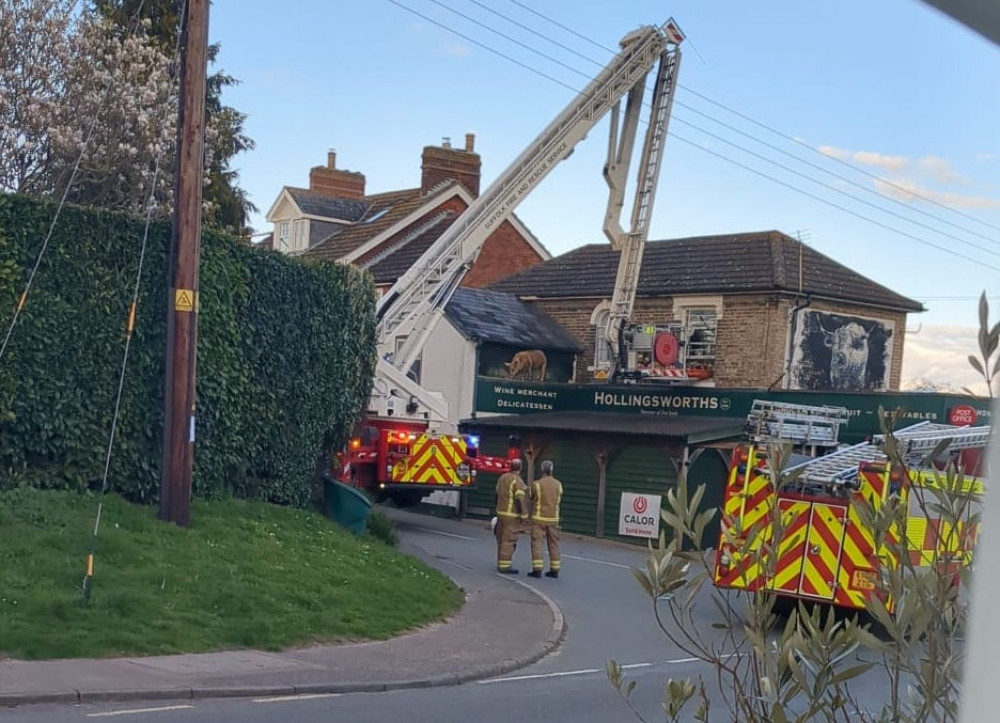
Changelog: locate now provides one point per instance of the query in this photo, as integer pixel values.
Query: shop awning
(690, 429)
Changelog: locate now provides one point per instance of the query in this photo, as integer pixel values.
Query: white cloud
(940, 354)
(867, 158)
(908, 190)
(940, 170)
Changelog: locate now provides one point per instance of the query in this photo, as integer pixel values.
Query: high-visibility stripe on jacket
(546, 493)
(509, 488)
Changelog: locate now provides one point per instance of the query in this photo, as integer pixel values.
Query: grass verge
(244, 575)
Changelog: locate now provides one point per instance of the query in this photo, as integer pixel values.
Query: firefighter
(512, 515)
(546, 495)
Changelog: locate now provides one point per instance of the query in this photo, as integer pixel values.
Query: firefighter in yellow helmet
(512, 515)
(546, 495)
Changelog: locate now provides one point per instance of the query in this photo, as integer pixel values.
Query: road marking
(136, 711)
(588, 671)
(445, 534)
(288, 698)
(562, 674)
(599, 562)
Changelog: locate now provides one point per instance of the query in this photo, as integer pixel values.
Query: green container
(347, 506)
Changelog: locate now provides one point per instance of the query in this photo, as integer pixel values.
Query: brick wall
(752, 336)
(332, 181)
(505, 252)
(440, 164)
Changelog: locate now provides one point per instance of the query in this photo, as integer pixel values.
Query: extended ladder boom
(411, 308)
(915, 442)
(633, 243)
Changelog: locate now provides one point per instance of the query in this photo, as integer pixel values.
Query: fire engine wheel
(666, 348)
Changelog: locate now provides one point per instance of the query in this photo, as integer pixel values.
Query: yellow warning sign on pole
(184, 299)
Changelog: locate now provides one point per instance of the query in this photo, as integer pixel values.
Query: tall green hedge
(286, 354)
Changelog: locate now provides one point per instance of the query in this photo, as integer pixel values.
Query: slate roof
(692, 430)
(397, 258)
(501, 318)
(396, 205)
(733, 263)
(317, 204)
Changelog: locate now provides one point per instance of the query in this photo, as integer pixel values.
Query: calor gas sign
(639, 515)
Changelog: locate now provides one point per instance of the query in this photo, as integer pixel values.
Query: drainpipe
(794, 318)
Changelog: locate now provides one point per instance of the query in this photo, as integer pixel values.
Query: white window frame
(300, 228)
(283, 235)
(684, 306)
(602, 353)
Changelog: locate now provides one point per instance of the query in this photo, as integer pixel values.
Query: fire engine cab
(801, 535)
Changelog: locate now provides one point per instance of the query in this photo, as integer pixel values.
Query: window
(299, 243)
(602, 351)
(284, 235)
(700, 326)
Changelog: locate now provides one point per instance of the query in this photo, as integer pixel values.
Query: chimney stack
(444, 163)
(329, 181)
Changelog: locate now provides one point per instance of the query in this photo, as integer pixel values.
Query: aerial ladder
(408, 313)
(407, 444)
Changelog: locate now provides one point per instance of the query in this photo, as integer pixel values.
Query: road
(607, 615)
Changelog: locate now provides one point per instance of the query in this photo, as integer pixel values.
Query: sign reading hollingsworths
(511, 397)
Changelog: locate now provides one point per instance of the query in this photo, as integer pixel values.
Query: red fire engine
(826, 553)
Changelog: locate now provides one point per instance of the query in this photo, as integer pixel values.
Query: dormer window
(284, 235)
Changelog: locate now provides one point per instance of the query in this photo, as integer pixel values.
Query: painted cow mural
(839, 352)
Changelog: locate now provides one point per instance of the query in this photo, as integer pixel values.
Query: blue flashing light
(473, 440)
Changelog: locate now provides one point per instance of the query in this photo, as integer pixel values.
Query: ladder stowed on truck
(407, 445)
(806, 540)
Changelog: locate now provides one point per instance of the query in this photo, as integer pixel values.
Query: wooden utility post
(182, 311)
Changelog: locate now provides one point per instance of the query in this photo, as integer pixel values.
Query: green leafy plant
(803, 670)
(988, 363)
(286, 357)
(381, 527)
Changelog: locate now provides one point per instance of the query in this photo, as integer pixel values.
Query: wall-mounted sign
(639, 515)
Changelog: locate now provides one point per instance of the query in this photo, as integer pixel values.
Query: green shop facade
(645, 438)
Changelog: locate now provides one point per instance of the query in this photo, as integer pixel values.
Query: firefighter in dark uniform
(546, 495)
(512, 515)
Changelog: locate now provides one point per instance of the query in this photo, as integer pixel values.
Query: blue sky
(900, 91)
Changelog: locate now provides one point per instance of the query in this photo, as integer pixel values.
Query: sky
(866, 129)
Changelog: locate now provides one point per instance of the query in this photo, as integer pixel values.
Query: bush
(286, 354)
(382, 528)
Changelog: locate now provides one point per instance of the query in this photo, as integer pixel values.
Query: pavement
(505, 624)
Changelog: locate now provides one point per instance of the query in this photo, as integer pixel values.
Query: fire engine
(407, 445)
(824, 551)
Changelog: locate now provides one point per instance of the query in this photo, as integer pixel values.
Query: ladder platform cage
(801, 424)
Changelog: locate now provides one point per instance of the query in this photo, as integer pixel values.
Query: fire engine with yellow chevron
(803, 534)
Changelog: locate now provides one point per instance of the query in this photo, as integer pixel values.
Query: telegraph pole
(182, 309)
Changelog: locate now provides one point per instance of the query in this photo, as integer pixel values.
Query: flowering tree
(88, 107)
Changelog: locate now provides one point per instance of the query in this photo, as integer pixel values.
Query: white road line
(136, 711)
(598, 562)
(444, 534)
(290, 698)
(586, 671)
(563, 674)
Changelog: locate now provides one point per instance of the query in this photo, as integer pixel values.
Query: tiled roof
(498, 317)
(734, 263)
(322, 230)
(318, 204)
(396, 205)
(394, 261)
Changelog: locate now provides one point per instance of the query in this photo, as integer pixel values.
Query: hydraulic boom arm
(409, 311)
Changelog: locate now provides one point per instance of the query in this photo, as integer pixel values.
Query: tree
(989, 341)
(34, 62)
(227, 206)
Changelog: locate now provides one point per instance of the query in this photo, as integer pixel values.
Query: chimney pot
(331, 159)
(470, 142)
